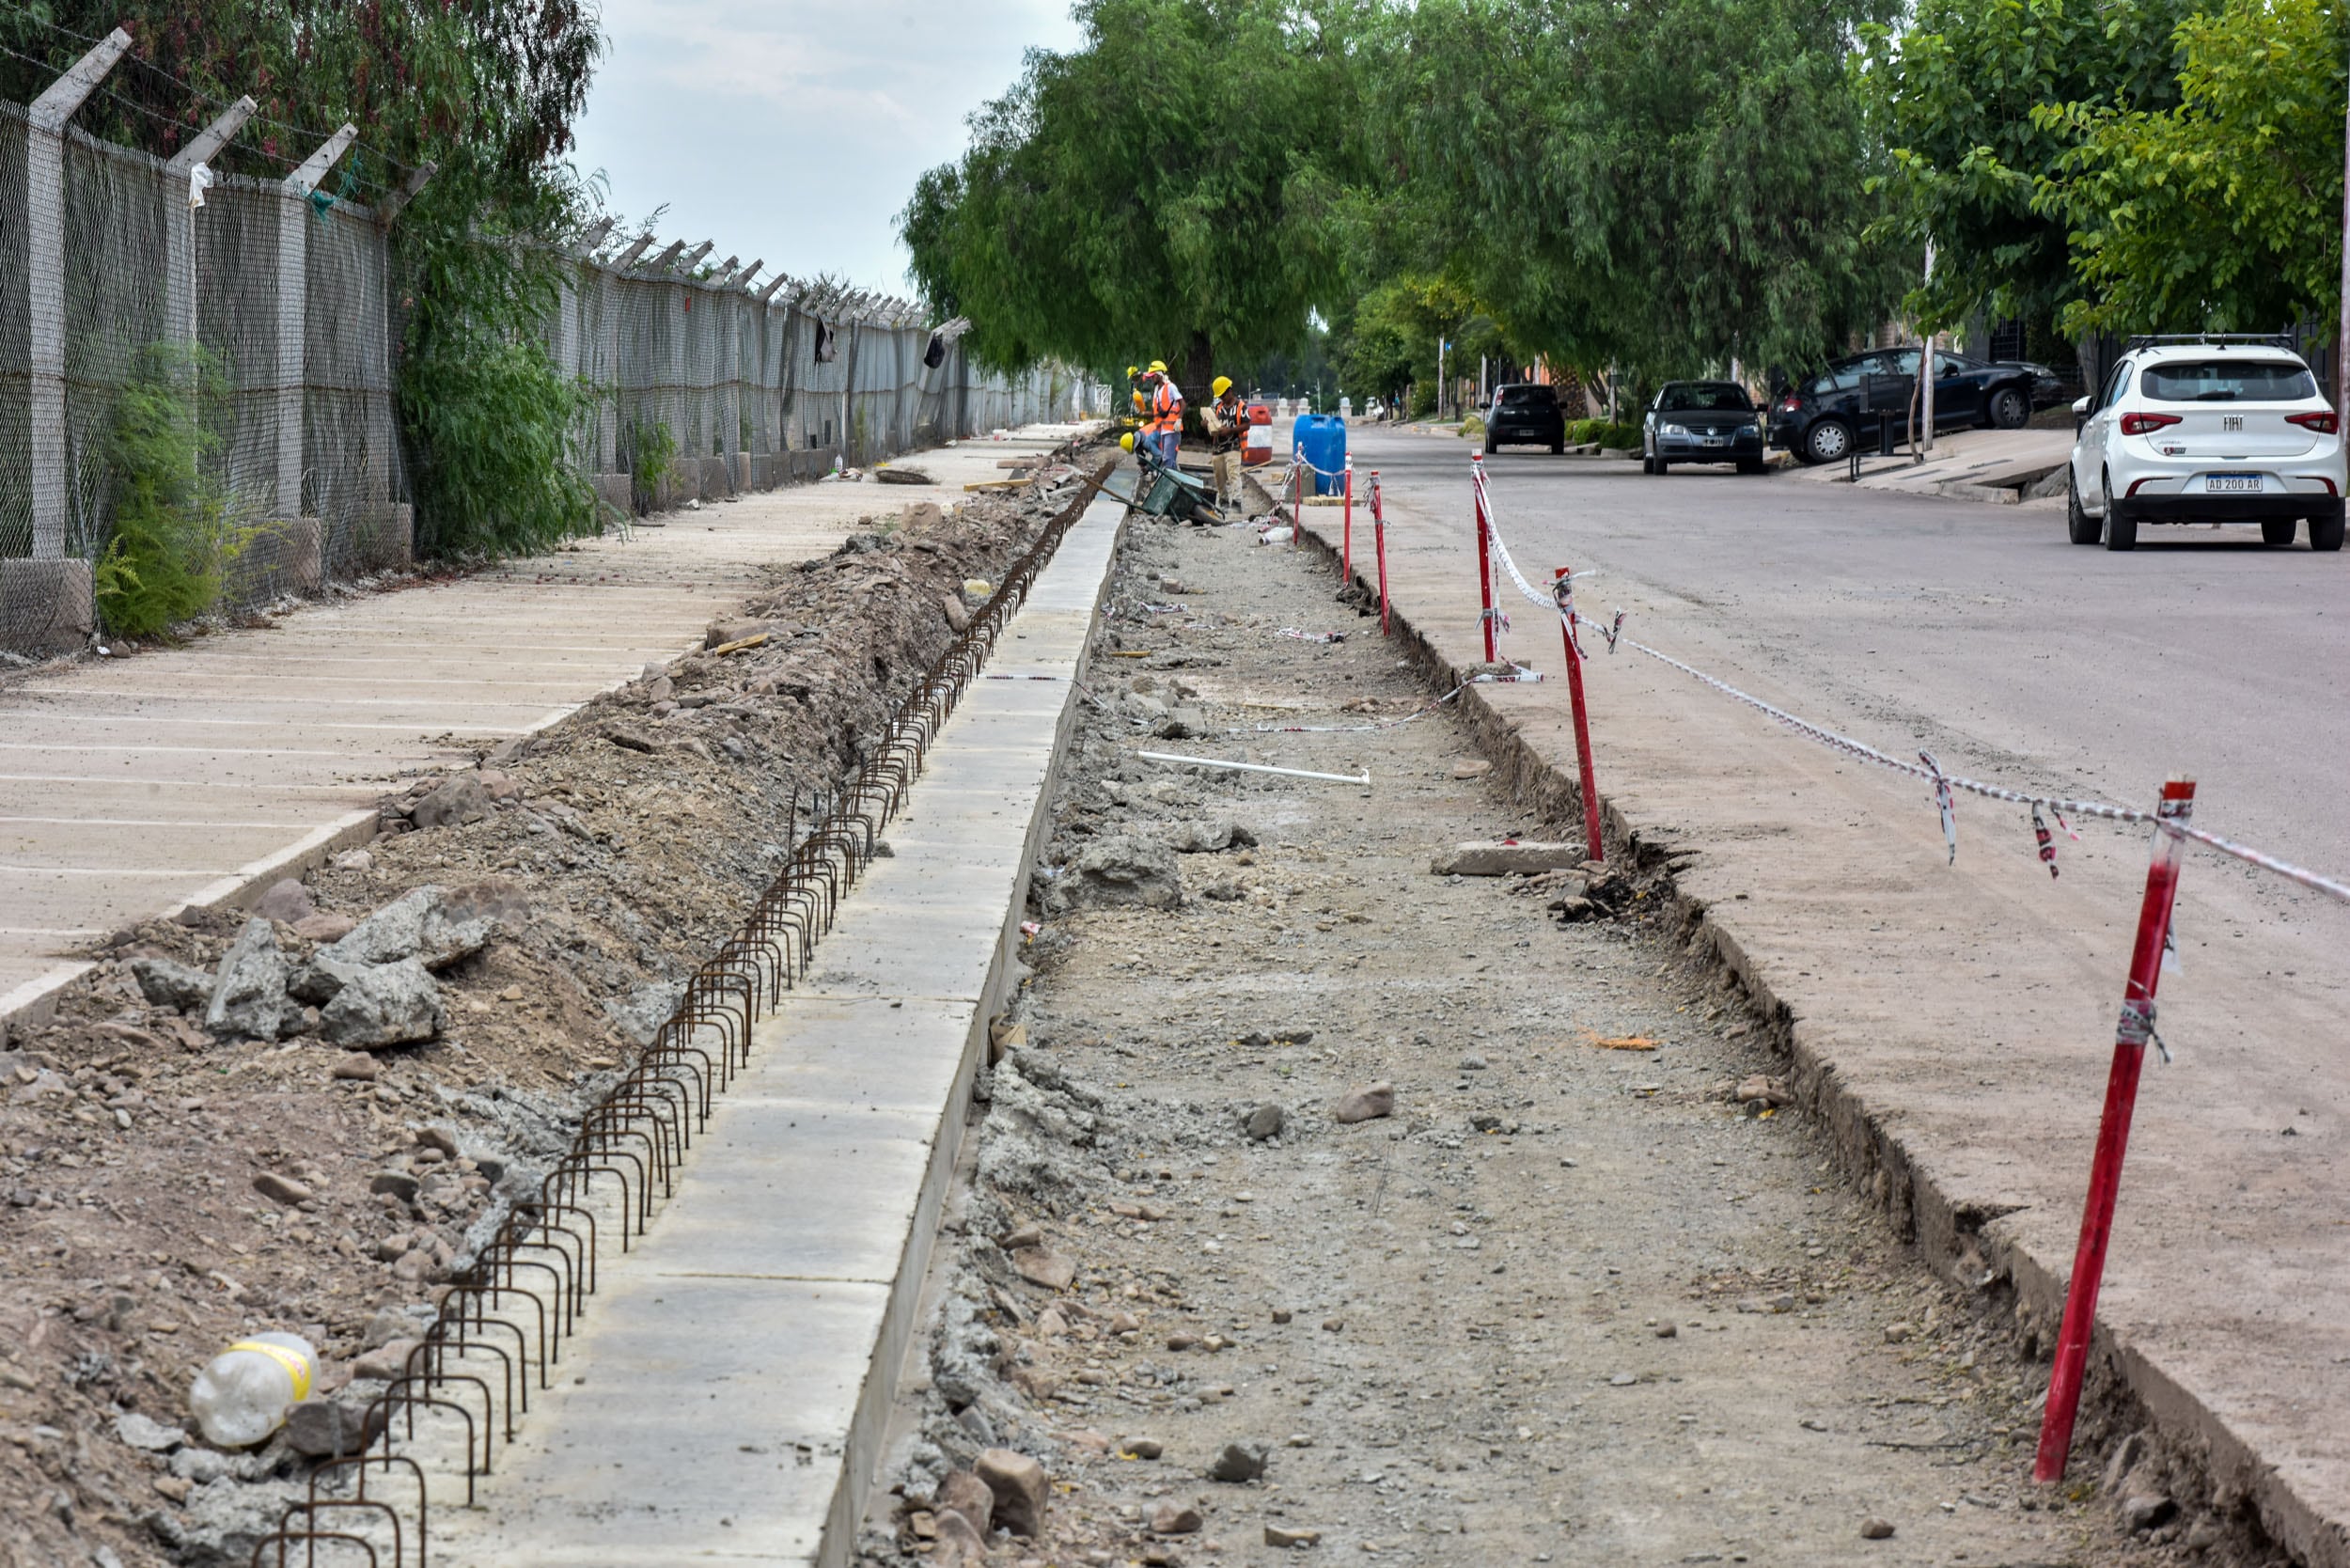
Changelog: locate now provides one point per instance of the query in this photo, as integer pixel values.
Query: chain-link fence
(216, 358)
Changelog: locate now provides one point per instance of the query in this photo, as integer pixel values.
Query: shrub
(653, 457)
(173, 534)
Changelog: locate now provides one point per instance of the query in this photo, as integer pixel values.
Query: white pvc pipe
(1253, 767)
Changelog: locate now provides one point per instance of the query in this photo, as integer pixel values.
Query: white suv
(2208, 429)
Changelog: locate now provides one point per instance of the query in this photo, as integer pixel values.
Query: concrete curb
(1954, 1236)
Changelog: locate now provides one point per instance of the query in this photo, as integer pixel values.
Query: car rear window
(1697, 395)
(1530, 397)
(2229, 381)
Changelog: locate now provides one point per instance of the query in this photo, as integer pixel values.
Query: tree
(1667, 186)
(1169, 190)
(2223, 212)
(1954, 100)
(1388, 342)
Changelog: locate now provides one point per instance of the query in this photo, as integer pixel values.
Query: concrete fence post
(44, 285)
(293, 254)
(179, 219)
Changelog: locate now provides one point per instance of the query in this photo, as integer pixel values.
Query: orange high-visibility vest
(1167, 406)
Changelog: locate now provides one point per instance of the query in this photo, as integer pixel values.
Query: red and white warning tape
(1925, 770)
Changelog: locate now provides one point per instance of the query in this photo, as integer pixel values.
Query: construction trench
(889, 1120)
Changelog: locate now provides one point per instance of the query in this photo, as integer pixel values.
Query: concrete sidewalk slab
(341, 701)
(738, 1365)
(1954, 1026)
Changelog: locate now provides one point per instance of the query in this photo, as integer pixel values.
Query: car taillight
(2146, 424)
(2323, 424)
(1789, 404)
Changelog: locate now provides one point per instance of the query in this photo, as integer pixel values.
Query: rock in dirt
(1171, 1518)
(358, 1067)
(1052, 1270)
(386, 1004)
(1876, 1530)
(429, 923)
(148, 1435)
(1119, 870)
(1019, 1484)
(281, 1189)
(959, 1545)
(1240, 1461)
(459, 799)
(1209, 838)
(166, 982)
(285, 902)
(1501, 857)
(323, 927)
(326, 973)
(1265, 1121)
(248, 999)
(386, 1361)
(963, 1493)
(225, 1520)
(958, 617)
(629, 738)
(2147, 1511)
(1477, 769)
(1281, 1535)
(1367, 1104)
(322, 1428)
(1771, 1092)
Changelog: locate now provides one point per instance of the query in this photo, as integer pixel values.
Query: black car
(1526, 414)
(1701, 421)
(1821, 421)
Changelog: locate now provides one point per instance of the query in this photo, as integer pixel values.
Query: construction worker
(1166, 426)
(1135, 395)
(1228, 424)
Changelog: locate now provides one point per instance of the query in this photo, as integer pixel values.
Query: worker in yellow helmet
(1165, 426)
(1227, 423)
(1134, 393)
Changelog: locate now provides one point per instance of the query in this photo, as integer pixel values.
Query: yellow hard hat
(1126, 442)
(1220, 385)
(1132, 372)
(1159, 365)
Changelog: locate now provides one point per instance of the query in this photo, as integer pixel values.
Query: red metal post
(1346, 550)
(2113, 1138)
(1484, 558)
(1379, 541)
(1592, 845)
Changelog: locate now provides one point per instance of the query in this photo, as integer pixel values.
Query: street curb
(1963, 1242)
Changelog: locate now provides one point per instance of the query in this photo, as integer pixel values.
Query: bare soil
(1583, 1298)
(621, 846)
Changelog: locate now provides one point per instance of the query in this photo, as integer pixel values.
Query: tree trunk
(1198, 371)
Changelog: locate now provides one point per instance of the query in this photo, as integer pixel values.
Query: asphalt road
(1973, 631)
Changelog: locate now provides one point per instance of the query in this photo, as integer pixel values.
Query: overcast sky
(793, 132)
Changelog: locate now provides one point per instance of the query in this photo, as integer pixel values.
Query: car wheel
(1658, 467)
(2277, 532)
(1648, 463)
(2010, 409)
(1558, 447)
(1489, 447)
(1827, 441)
(2121, 527)
(2078, 525)
(2326, 532)
(1752, 466)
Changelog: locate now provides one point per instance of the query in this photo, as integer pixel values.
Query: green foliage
(652, 455)
(1662, 186)
(1166, 191)
(1389, 340)
(2224, 212)
(1582, 432)
(1956, 98)
(173, 535)
(1472, 428)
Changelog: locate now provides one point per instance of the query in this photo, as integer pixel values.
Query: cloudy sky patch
(794, 132)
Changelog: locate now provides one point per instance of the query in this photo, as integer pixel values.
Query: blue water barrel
(1320, 440)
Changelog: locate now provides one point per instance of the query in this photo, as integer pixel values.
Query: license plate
(1717, 441)
(2225, 484)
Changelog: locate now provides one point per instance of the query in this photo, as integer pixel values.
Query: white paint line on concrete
(183, 783)
(149, 821)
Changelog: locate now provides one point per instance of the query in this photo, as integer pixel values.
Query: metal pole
(2113, 1135)
(2341, 334)
(1484, 560)
(1592, 845)
(1379, 541)
(1346, 547)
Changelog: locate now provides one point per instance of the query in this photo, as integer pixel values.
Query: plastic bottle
(243, 1396)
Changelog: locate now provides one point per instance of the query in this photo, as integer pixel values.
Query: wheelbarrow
(1166, 491)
